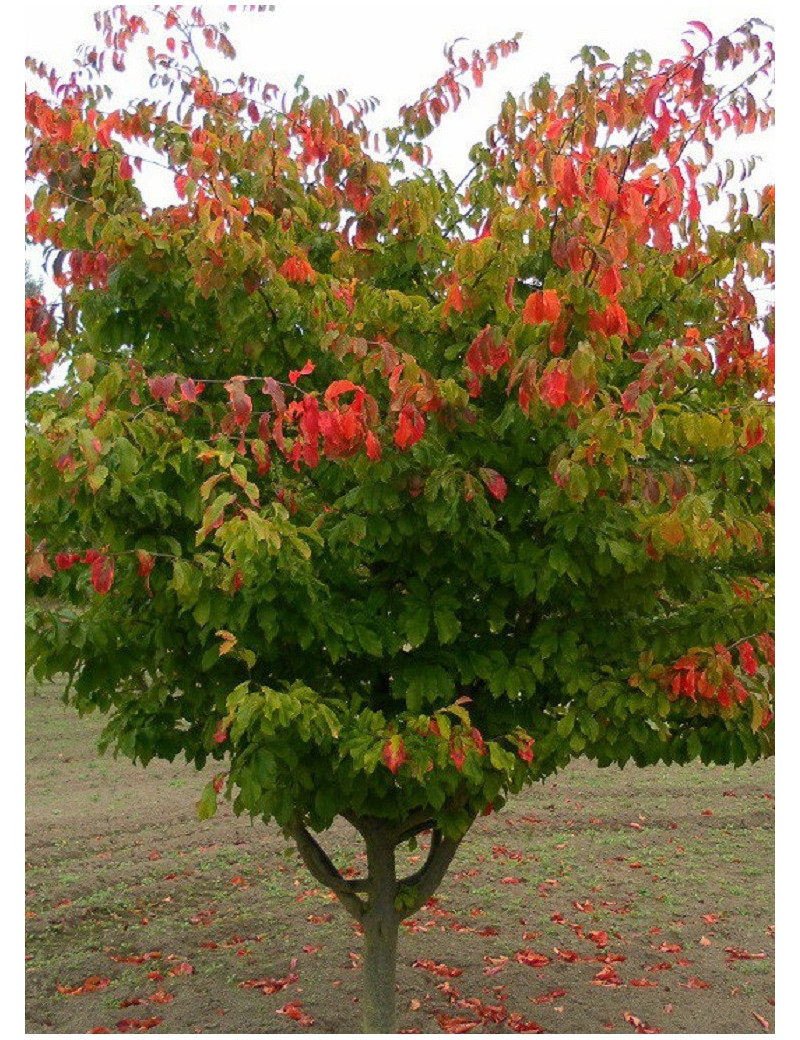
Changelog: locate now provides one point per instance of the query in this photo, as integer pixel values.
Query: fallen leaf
(733, 953)
(638, 1025)
(761, 1020)
(295, 1011)
(607, 977)
(519, 1025)
(93, 983)
(437, 969)
(128, 1025)
(694, 983)
(451, 1024)
(532, 959)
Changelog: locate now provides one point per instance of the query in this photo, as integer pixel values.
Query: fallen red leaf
(694, 983)
(761, 1020)
(642, 982)
(532, 959)
(437, 969)
(130, 1025)
(451, 1024)
(134, 959)
(607, 977)
(269, 986)
(638, 1024)
(733, 953)
(93, 983)
(519, 1025)
(547, 998)
(184, 968)
(295, 1011)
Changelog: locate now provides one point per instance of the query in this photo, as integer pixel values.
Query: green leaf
(207, 806)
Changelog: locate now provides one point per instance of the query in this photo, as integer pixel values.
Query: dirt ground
(602, 901)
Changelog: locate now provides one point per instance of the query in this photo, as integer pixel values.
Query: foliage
(396, 494)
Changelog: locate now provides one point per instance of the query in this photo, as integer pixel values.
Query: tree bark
(378, 996)
(381, 923)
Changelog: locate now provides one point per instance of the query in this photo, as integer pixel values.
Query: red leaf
(128, 1025)
(516, 1023)
(733, 953)
(125, 168)
(704, 29)
(694, 983)
(240, 401)
(495, 484)
(295, 1011)
(553, 388)
(161, 386)
(438, 969)
(373, 446)
(102, 573)
(394, 753)
(451, 1024)
(66, 560)
(638, 1025)
(609, 282)
(532, 959)
(306, 370)
(541, 307)
(410, 427)
(454, 300)
(298, 269)
(190, 389)
(457, 755)
(91, 985)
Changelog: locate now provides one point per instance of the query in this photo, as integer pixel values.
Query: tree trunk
(374, 901)
(381, 923)
(378, 997)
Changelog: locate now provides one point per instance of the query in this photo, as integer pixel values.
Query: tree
(393, 495)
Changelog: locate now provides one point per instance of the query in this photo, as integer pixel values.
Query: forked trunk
(379, 901)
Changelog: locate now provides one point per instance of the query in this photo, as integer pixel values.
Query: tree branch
(424, 882)
(322, 868)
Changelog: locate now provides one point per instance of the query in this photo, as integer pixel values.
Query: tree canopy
(394, 494)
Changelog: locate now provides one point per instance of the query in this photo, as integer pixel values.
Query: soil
(601, 901)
